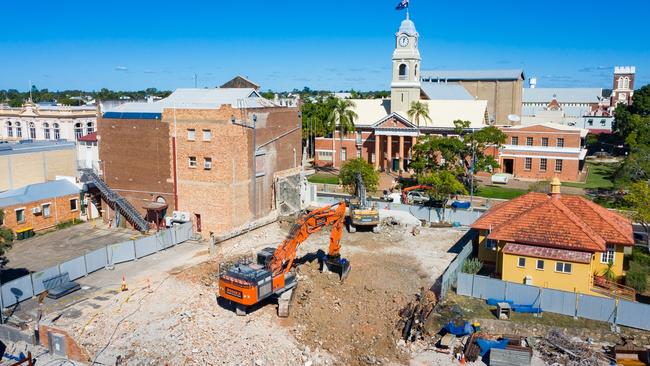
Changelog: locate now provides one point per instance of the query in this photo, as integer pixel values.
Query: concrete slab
(47, 250)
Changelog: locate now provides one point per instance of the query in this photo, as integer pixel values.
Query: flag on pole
(403, 4)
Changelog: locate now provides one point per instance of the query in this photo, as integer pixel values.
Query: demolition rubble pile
(557, 349)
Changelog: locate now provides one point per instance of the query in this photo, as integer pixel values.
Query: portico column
(401, 153)
(376, 162)
(389, 152)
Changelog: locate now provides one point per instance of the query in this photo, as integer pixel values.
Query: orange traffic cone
(124, 287)
(462, 359)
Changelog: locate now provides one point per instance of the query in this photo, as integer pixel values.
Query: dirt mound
(356, 321)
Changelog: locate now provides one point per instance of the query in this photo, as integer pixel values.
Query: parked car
(417, 198)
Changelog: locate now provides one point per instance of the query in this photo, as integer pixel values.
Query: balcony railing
(613, 289)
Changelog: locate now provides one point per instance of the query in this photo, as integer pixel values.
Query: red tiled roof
(91, 137)
(565, 222)
(547, 253)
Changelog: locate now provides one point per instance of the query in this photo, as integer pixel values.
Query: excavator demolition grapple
(247, 284)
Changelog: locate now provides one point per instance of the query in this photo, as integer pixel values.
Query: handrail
(614, 287)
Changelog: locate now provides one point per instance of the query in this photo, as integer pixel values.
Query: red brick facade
(51, 211)
(540, 152)
(213, 161)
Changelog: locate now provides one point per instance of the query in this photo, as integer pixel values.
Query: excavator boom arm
(305, 226)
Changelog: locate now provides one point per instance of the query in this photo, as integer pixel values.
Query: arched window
(57, 131)
(623, 82)
(416, 71)
(78, 130)
(90, 128)
(19, 130)
(46, 131)
(32, 131)
(403, 71)
(10, 130)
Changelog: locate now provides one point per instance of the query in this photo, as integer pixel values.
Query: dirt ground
(174, 318)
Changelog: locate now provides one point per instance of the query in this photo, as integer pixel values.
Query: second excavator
(271, 276)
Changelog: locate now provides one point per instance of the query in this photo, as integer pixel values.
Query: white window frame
(191, 162)
(561, 165)
(519, 262)
(49, 208)
(23, 209)
(528, 163)
(358, 153)
(543, 168)
(514, 140)
(207, 135)
(191, 134)
(537, 265)
(545, 141)
(608, 255)
(76, 204)
(559, 142)
(325, 155)
(207, 163)
(560, 267)
(530, 141)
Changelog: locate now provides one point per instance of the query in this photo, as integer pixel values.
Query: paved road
(50, 249)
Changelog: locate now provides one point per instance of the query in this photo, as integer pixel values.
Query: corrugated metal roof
(562, 95)
(35, 146)
(458, 75)
(445, 91)
(37, 192)
(193, 99)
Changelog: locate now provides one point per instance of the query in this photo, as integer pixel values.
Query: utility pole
(471, 197)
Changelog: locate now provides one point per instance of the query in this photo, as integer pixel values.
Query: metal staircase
(117, 202)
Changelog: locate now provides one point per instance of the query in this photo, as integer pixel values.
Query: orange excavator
(247, 284)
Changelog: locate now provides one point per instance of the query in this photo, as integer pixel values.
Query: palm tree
(342, 115)
(419, 110)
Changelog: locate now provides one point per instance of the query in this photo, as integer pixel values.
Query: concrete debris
(394, 217)
(558, 349)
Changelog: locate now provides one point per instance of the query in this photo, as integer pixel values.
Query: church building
(384, 132)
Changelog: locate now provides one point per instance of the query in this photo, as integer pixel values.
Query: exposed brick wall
(222, 195)
(136, 160)
(59, 212)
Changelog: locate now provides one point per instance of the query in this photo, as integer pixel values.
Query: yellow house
(556, 241)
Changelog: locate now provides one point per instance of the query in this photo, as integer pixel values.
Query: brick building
(193, 152)
(543, 151)
(40, 206)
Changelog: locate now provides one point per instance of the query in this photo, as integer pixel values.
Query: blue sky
(322, 44)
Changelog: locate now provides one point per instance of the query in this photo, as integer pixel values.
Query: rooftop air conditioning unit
(179, 216)
(36, 210)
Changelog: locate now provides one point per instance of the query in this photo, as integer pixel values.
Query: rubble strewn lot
(174, 317)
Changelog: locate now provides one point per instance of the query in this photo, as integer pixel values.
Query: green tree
(348, 173)
(419, 111)
(434, 153)
(6, 239)
(639, 199)
(637, 277)
(472, 266)
(443, 184)
(608, 272)
(343, 116)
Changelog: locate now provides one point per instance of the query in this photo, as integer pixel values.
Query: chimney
(555, 187)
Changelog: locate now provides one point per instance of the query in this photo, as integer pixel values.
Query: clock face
(404, 41)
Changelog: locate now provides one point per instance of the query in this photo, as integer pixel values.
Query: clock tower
(405, 86)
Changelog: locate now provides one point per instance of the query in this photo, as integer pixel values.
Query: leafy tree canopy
(348, 172)
(639, 200)
(6, 240)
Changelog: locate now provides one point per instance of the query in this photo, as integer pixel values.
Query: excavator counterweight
(246, 284)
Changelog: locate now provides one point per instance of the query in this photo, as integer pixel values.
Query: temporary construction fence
(614, 311)
(451, 273)
(431, 214)
(31, 285)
